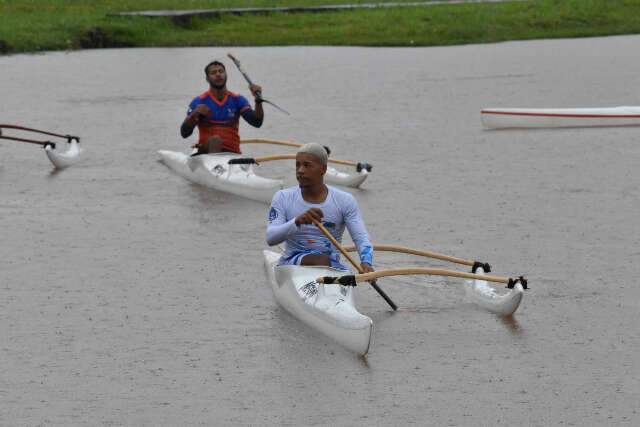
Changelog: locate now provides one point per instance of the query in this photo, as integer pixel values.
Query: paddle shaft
(419, 252)
(248, 79)
(353, 262)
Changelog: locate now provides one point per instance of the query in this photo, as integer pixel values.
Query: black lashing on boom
(477, 264)
(512, 282)
(243, 161)
(365, 166)
(349, 280)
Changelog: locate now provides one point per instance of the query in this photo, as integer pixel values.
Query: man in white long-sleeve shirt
(294, 209)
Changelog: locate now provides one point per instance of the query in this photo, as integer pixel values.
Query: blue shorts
(296, 259)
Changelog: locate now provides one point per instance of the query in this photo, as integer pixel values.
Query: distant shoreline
(192, 13)
(36, 25)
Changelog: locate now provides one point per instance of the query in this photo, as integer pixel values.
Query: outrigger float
(59, 159)
(323, 298)
(235, 173)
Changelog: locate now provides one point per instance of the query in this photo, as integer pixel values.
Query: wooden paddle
(402, 249)
(351, 280)
(248, 79)
(353, 262)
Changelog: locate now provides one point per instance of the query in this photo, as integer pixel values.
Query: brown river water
(129, 296)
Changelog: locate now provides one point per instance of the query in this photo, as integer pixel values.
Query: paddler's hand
(366, 268)
(200, 111)
(256, 90)
(309, 216)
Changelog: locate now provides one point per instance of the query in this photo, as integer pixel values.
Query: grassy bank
(36, 25)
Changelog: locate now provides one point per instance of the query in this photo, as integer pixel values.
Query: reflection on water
(512, 324)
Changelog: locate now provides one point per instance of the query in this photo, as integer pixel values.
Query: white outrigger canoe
(235, 173)
(214, 171)
(329, 309)
(510, 118)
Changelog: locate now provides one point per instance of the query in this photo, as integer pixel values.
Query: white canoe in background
(62, 159)
(214, 171)
(509, 118)
(329, 309)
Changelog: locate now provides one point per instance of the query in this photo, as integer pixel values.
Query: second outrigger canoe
(235, 173)
(514, 118)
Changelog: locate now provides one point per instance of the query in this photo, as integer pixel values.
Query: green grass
(36, 25)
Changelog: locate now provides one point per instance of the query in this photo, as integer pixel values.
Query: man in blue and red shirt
(217, 113)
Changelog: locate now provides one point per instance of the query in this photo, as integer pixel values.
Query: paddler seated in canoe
(217, 113)
(294, 209)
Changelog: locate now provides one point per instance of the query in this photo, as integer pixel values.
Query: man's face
(309, 170)
(217, 76)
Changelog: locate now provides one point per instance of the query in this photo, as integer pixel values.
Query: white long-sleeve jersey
(340, 210)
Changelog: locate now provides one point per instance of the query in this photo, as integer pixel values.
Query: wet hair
(216, 62)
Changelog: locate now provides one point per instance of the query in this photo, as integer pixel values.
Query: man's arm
(186, 129)
(279, 228)
(355, 225)
(254, 117)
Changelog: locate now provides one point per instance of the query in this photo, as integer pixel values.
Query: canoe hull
(329, 309)
(213, 171)
(514, 118)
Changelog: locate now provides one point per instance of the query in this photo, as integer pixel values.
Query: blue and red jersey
(224, 119)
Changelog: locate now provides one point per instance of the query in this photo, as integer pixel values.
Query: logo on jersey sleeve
(273, 214)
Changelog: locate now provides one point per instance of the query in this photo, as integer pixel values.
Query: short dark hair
(216, 62)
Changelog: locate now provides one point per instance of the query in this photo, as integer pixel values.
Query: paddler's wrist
(193, 119)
